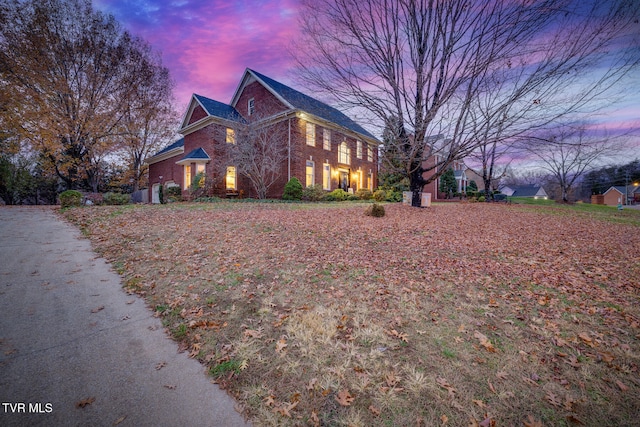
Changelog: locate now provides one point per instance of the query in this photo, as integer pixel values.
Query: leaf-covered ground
(456, 315)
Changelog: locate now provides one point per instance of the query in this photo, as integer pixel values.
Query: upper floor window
(251, 106)
(369, 154)
(359, 149)
(231, 136)
(326, 139)
(311, 134)
(344, 153)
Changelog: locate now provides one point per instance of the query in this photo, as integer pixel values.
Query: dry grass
(453, 315)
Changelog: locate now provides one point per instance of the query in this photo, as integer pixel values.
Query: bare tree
(567, 153)
(422, 67)
(150, 119)
(257, 148)
(75, 72)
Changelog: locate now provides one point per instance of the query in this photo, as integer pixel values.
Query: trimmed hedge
(292, 190)
(70, 198)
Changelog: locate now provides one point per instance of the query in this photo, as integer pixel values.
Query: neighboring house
(532, 191)
(324, 146)
(620, 194)
(459, 171)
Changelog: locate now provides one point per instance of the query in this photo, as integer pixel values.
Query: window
(326, 176)
(231, 136)
(369, 154)
(326, 139)
(370, 180)
(230, 178)
(344, 154)
(187, 176)
(311, 134)
(251, 106)
(359, 149)
(310, 173)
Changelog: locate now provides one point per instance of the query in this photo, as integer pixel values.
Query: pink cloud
(207, 45)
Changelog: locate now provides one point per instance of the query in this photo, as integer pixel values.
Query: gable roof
(622, 189)
(217, 109)
(299, 101)
(195, 155)
(527, 190)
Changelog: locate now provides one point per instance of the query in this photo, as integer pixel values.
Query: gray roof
(525, 190)
(218, 109)
(176, 144)
(197, 154)
(312, 106)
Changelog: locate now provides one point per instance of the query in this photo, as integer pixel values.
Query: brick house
(323, 145)
(621, 195)
(459, 171)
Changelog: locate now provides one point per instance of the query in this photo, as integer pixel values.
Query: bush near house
(313, 193)
(173, 194)
(70, 198)
(375, 210)
(292, 190)
(116, 199)
(364, 194)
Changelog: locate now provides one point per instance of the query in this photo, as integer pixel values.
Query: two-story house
(322, 145)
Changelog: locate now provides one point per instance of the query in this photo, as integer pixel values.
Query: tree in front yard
(448, 184)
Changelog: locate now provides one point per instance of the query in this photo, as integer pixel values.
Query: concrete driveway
(76, 350)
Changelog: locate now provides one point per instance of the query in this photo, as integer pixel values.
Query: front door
(344, 180)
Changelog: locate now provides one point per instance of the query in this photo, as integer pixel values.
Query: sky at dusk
(208, 44)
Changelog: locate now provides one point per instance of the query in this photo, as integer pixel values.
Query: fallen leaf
(478, 402)
(170, 386)
(532, 422)
(622, 387)
(160, 365)
(97, 309)
(484, 341)
(344, 398)
(444, 419)
(281, 345)
(119, 420)
(375, 411)
(85, 402)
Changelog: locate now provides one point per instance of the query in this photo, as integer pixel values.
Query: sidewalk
(75, 349)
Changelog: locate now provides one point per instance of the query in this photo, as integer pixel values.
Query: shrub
(292, 190)
(393, 196)
(313, 193)
(94, 198)
(337, 195)
(481, 199)
(115, 199)
(375, 210)
(380, 195)
(364, 194)
(173, 193)
(70, 198)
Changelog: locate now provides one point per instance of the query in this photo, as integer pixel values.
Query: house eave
(164, 156)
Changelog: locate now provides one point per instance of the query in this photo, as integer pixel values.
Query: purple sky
(207, 45)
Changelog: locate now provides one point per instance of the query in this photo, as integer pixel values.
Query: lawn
(460, 314)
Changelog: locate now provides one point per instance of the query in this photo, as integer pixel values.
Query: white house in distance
(532, 191)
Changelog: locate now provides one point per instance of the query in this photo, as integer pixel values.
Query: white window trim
(326, 139)
(251, 106)
(311, 134)
(326, 176)
(235, 179)
(312, 164)
(359, 149)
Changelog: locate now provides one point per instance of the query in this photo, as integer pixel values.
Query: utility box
(406, 197)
